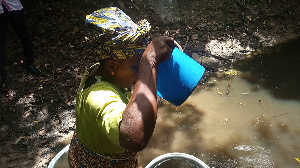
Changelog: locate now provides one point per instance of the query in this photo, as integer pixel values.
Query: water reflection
(276, 69)
(255, 124)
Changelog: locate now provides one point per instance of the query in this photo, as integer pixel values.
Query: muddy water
(248, 116)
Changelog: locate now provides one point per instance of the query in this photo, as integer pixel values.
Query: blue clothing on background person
(11, 12)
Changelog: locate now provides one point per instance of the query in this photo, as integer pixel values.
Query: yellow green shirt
(99, 111)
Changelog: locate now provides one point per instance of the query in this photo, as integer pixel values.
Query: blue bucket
(178, 77)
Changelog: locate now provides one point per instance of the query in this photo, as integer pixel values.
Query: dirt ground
(37, 113)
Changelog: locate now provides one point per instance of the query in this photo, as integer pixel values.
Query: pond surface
(247, 116)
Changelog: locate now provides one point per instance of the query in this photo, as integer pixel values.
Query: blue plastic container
(178, 77)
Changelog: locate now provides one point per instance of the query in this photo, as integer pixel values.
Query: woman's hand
(159, 50)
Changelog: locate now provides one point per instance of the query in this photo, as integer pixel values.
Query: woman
(112, 124)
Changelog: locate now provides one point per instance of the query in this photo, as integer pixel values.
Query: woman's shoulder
(103, 86)
(103, 91)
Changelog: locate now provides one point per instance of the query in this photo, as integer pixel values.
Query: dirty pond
(248, 115)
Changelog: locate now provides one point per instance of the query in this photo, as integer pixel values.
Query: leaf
(220, 93)
(75, 30)
(37, 63)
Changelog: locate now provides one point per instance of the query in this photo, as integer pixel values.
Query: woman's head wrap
(121, 37)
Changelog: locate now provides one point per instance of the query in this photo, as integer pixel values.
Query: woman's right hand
(159, 50)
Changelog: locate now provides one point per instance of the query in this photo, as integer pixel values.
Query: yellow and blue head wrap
(121, 37)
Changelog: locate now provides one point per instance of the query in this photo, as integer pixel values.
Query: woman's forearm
(139, 117)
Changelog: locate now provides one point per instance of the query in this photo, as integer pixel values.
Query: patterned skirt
(81, 157)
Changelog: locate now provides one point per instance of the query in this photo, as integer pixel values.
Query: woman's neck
(105, 75)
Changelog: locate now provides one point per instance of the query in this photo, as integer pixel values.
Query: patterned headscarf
(121, 37)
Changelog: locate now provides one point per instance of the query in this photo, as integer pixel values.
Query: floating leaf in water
(220, 93)
(232, 72)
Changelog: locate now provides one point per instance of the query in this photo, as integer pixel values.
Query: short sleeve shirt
(11, 5)
(99, 110)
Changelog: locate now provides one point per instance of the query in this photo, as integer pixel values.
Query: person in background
(113, 123)
(11, 11)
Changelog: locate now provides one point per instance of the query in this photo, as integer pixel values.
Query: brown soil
(37, 113)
